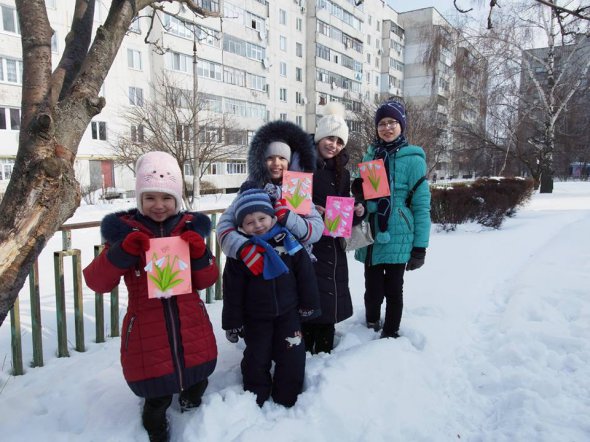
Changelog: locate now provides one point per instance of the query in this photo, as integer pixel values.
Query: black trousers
(318, 337)
(154, 409)
(385, 281)
(277, 340)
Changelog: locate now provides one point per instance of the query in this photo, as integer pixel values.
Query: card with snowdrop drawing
(338, 216)
(297, 188)
(375, 184)
(168, 267)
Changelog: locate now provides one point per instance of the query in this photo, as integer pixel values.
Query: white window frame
(98, 130)
(134, 59)
(135, 96)
(17, 70)
(8, 11)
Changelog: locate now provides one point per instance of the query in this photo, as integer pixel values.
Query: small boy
(266, 310)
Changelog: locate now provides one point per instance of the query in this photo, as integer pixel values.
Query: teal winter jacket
(408, 227)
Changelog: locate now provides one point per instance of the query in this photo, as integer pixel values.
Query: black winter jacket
(331, 267)
(246, 296)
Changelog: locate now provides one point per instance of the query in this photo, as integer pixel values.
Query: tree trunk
(546, 183)
(43, 192)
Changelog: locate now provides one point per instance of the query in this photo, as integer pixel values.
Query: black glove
(233, 335)
(356, 188)
(416, 258)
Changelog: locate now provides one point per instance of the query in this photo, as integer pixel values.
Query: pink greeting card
(338, 216)
(297, 187)
(375, 184)
(168, 267)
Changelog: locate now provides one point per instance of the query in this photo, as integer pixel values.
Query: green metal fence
(59, 258)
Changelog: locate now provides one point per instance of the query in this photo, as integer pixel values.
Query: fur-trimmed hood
(116, 226)
(303, 150)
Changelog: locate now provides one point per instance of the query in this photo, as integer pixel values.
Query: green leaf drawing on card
(297, 198)
(165, 277)
(332, 224)
(373, 178)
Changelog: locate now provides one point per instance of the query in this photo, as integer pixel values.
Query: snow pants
(385, 281)
(277, 340)
(318, 337)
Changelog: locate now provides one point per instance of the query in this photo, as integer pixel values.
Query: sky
(494, 346)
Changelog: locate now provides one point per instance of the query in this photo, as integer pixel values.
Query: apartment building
(445, 74)
(260, 60)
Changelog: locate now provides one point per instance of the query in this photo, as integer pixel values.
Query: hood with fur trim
(303, 150)
(116, 226)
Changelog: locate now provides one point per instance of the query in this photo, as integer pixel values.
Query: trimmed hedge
(487, 201)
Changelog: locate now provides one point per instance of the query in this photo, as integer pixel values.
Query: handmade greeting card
(297, 187)
(338, 216)
(168, 267)
(375, 184)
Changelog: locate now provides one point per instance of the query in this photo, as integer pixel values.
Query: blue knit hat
(250, 201)
(392, 109)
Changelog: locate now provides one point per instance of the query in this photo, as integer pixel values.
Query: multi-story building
(446, 75)
(260, 60)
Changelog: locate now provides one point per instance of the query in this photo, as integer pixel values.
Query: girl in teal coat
(400, 223)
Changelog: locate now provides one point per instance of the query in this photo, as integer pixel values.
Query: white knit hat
(279, 148)
(158, 172)
(332, 124)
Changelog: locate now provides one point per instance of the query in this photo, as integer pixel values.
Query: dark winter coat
(247, 297)
(166, 344)
(331, 267)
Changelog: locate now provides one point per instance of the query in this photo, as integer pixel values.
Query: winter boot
(374, 325)
(191, 397)
(161, 434)
(393, 335)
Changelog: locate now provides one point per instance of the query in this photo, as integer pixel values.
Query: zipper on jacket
(334, 282)
(128, 332)
(405, 218)
(175, 351)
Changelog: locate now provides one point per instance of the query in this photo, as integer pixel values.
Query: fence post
(36, 316)
(78, 299)
(99, 306)
(60, 305)
(115, 312)
(16, 342)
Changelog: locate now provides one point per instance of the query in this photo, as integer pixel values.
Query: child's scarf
(273, 264)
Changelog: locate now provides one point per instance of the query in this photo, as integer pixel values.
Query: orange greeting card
(168, 267)
(297, 187)
(375, 184)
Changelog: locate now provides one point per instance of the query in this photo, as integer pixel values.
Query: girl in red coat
(167, 344)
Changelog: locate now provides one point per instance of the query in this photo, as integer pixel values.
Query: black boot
(374, 325)
(393, 335)
(154, 418)
(191, 397)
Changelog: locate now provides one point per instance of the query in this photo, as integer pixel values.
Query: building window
(299, 24)
(283, 116)
(11, 70)
(176, 61)
(283, 94)
(136, 96)
(299, 120)
(6, 167)
(9, 118)
(298, 74)
(299, 49)
(137, 134)
(212, 169)
(282, 17)
(134, 59)
(183, 132)
(236, 167)
(283, 43)
(54, 47)
(9, 19)
(134, 26)
(283, 69)
(99, 130)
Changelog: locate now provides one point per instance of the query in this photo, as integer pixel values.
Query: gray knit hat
(332, 124)
(279, 148)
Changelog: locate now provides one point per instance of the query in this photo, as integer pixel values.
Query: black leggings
(318, 337)
(385, 281)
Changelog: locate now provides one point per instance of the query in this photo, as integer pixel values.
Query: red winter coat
(167, 345)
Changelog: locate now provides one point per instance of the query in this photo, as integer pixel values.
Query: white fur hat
(332, 124)
(158, 172)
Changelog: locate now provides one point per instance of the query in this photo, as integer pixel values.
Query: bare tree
(563, 13)
(57, 107)
(166, 122)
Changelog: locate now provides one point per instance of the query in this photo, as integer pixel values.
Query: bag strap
(413, 190)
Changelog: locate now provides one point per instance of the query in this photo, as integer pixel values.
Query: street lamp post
(196, 153)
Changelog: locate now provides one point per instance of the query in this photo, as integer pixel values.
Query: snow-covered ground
(495, 346)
